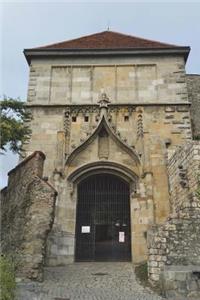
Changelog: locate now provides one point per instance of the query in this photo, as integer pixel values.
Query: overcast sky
(30, 24)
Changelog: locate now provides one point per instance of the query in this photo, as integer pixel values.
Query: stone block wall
(124, 79)
(181, 282)
(193, 85)
(177, 241)
(27, 205)
(183, 171)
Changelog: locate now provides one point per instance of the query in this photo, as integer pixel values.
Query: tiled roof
(108, 40)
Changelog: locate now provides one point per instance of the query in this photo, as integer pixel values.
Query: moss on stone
(7, 278)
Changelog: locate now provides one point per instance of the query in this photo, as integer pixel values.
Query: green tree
(14, 124)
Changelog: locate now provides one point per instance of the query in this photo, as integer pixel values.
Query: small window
(126, 118)
(73, 118)
(86, 119)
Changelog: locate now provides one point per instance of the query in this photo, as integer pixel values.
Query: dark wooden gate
(103, 219)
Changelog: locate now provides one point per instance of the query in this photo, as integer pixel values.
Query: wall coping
(184, 147)
(193, 74)
(181, 268)
(24, 161)
(135, 104)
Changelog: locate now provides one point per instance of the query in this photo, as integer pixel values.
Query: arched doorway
(103, 219)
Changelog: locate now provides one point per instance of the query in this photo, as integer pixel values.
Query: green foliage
(14, 124)
(196, 138)
(7, 279)
(141, 272)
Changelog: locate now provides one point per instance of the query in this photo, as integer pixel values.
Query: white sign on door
(121, 236)
(85, 229)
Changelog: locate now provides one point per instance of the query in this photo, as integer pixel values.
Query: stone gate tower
(108, 110)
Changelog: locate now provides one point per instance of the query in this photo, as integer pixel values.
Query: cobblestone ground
(87, 281)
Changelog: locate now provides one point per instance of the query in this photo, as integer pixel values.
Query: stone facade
(27, 206)
(121, 113)
(148, 115)
(193, 84)
(175, 245)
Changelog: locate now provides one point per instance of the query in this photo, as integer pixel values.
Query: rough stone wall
(181, 282)
(27, 216)
(177, 241)
(193, 86)
(183, 171)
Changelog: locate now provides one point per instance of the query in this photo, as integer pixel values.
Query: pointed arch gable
(103, 124)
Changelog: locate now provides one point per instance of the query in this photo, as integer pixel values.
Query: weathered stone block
(27, 216)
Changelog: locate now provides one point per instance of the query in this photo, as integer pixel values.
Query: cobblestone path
(87, 281)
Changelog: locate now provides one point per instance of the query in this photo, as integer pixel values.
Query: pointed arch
(103, 167)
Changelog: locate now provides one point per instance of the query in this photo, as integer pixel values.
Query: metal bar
(103, 204)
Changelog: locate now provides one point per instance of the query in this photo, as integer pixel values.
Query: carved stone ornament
(103, 105)
(104, 101)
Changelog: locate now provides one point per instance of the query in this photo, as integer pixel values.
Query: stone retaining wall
(183, 172)
(177, 241)
(181, 281)
(193, 85)
(27, 216)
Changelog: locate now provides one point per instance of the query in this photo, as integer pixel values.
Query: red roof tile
(107, 40)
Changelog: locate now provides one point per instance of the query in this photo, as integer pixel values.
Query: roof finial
(108, 27)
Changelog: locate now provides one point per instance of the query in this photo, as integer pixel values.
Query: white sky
(26, 24)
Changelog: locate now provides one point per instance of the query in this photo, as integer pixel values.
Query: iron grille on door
(103, 219)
